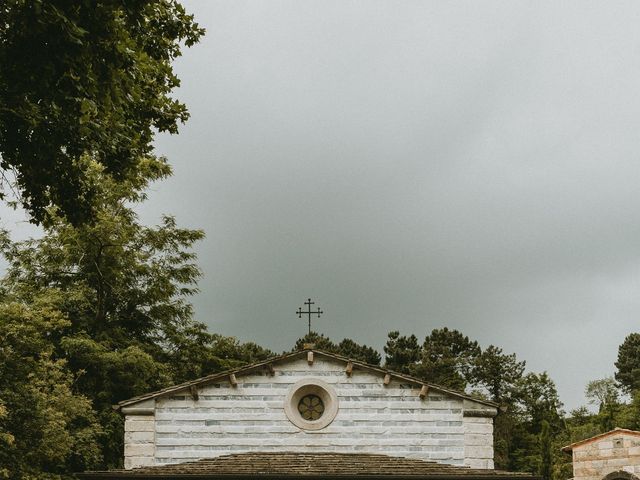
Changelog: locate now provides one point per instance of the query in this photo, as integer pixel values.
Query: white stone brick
(485, 420)
(135, 462)
(371, 418)
(479, 452)
(135, 425)
(478, 463)
(485, 428)
(139, 450)
(477, 440)
(139, 437)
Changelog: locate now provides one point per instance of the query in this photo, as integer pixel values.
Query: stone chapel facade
(614, 455)
(309, 401)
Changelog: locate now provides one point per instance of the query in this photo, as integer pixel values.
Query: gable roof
(615, 431)
(290, 356)
(291, 465)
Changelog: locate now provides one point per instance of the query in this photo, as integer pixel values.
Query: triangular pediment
(350, 366)
(596, 438)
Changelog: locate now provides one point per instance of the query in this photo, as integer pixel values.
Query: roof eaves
(615, 431)
(409, 378)
(286, 356)
(203, 380)
(209, 476)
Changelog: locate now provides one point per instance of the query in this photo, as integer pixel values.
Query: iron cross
(308, 312)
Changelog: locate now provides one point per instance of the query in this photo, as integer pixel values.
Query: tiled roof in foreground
(307, 465)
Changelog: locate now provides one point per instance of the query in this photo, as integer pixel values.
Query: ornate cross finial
(308, 312)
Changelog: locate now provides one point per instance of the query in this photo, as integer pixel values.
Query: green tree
(346, 348)
(46, 429)
(401, 352)
(125, 289)
(364, 353)
(497, 372)
(628, 415)
(446, 358)
(545, 447)
(534, 417)
(628, 363)
(605, 395)
(538, 401)
(318, 340)
(602, 392)
(84, 78)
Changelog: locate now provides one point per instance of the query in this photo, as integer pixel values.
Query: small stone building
(307, 413)
(613, 455)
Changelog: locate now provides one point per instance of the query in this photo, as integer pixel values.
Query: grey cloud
(413, 165)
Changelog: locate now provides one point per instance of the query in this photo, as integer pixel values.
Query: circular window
(311, 404)
(311, 407)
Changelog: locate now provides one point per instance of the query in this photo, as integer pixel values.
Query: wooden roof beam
(349, 369)
(423, 392)
(193, 390)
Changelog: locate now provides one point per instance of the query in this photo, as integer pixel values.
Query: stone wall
(478, 435)
(139, 435)
(613, 453)
(372, 417)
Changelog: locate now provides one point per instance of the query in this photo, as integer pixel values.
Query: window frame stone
(311, 386)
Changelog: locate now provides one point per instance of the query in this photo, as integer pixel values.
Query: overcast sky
(412, 165)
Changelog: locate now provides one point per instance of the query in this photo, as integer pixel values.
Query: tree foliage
(446, 358)
(545, 446)
(628, 363)
(347, 347)
(497, 372)
(46, 428)
(401, 352)
(604, 393)
(123, 289)
(85, 78)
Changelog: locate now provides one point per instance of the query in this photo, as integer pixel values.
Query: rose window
(311, 407)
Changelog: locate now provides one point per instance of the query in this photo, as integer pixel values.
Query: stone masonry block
(139, 437)
(478, 428)
(479, 463)
(479, 452)
(139, 450)
(135, 462)
(478, 420)
(475, 440)
(610, 463)
(137, 425)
